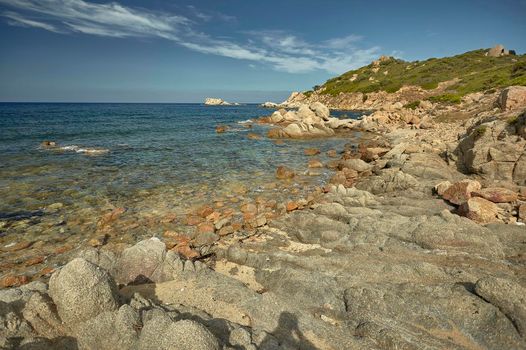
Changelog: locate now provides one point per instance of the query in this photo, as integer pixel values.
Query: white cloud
(281, 50)
(15, 19)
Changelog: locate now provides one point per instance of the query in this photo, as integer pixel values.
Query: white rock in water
(209, 101)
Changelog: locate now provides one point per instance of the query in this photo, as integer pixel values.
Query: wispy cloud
(280, 50)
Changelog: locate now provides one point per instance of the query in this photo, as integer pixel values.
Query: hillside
(469, 72)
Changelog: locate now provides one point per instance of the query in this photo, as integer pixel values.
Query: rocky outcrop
(210, 101)
(308, 121)
(495, 150)
(512, 98)
(269, 105)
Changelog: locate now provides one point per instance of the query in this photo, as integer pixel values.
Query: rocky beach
(407, 232)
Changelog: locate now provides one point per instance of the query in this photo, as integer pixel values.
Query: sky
(238, 50)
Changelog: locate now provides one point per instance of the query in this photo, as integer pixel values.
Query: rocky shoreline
(417, 241)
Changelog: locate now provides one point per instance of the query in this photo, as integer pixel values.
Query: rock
(276, 117)
(144, 262)
(355, 164)
(111, 330)
(249, 208)
(332, 153)
(48, 144)
(291, 206)
(388, 180)
(480, 210)
(81, 291)
(311, 151)
(495, 150)
(522, 212)
(13, 281)
(393, 316)
(320, 110)
(460, 192)
(496, 194)
(110, 217)
(17, 246)
(506, 295)
(373, 153)
(253, 136)
(306, 115)
(41, 313)
(513, 97)
(221, 129)
(442, 187)
(205, 227)
(161, 333)
(315, 163)
(269, 105)
(284, 173)
(210, 101)
(426, 123)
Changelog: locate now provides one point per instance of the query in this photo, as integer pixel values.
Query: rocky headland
(418, 241)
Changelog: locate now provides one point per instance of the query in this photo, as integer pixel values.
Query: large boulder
(147, 261)
(161, 333)
(307, 116)
(320, 110)
(81, 291)
(496, 194)
(480, 210)
(495, 150)
(513, 97)
(460, 191)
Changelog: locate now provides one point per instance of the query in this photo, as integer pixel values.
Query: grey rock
(82, 290)
(506, 295)
(161, 333)
(41, 313)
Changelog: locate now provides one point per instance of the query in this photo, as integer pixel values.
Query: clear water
(161, 158)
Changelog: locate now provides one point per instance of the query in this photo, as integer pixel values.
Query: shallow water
(156, 159)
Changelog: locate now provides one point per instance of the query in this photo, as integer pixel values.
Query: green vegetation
(513, 120)
(412, 105)
(446, 98)
(479, 132)
(473, 70)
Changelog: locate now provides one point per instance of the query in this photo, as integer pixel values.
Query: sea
(151, 159)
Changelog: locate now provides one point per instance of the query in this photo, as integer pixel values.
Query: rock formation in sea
(209, 101)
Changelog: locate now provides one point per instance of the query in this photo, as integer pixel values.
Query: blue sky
(239, 50)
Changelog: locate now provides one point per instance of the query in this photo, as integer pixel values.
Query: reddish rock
(219, 204)
(46, 271)
(496, 195)
(35, 261)
(204, 211)
(291, 206)
(205, 227)
(480, 210)
(185, 251)
(236, 226)
(284, 173)
(315, 163)
(63, 249)
(249, 208)
(192, 220)
(460, 192)
(18, 246)
(110, 217)
(311, 151)
(13, 281)
(213, 217)
(442, 187)
(177, 237)
(253, 136)
(221, 129)
(373, 153)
